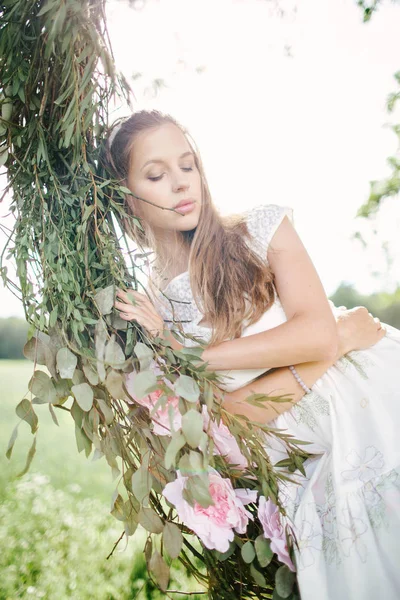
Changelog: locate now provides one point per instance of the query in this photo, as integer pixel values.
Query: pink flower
(160, 417)
(269, 516)
(214, 525)
(225, 443)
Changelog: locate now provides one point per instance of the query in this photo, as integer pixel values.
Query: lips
(183, 202)
(185, 206)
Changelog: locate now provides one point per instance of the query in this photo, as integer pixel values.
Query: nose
(180, 181)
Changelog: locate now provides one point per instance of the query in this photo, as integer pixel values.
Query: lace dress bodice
(176, 303)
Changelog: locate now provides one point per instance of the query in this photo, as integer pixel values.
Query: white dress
(346, 512)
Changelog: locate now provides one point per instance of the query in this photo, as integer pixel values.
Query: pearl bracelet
(299, 380)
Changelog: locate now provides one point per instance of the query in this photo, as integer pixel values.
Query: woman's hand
(358, 330)
(142, 311)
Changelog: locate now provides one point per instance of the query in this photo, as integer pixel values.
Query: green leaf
(114, 354)
(82, 441)
(142, 382)
(248, 552)
(42, 386)
(221, 556)
(173, 539)
(176, 443)
(160, 570)
(100, 344)
(84, 395)
(141, 482)
(284, 581)
(263, 551)
(31, 454)
(118, 508)
(187, 388)
(36, 351)
(66, 363)
(25, 412)
(144, 354)
(150, 520)
(197, 488)
(90, 373)
(106, 410)
(114, 384)
(257, 576)
(12, 441)
(192, 427)
(104, 299)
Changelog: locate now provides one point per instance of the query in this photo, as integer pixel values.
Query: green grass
(55, 522)
(56, 452)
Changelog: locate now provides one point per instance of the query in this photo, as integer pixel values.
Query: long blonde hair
(230, 282)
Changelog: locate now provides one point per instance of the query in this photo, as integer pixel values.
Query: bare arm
(279, 383)
(357, 330)
(310, 331)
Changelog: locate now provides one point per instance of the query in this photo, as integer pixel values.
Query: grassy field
(56, 452)
(55, 525)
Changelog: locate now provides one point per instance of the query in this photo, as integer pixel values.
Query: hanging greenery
(152, 412)
(389, 186)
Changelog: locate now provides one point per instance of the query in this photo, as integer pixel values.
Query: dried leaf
(173, 539)
(150, 520)
(160, 570)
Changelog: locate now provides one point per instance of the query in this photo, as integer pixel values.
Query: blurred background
(286, 102)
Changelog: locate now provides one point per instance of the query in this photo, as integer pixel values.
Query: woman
(246, 286)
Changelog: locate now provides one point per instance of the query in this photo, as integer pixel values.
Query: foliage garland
(57, 79)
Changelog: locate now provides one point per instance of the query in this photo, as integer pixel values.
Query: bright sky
(284, 110)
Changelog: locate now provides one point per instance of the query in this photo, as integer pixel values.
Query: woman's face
(162, 170)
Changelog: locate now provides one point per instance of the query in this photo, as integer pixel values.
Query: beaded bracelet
(299, 380)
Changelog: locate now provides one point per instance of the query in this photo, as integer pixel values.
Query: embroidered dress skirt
(346, 512)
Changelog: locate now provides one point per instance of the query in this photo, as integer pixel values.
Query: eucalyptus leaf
(42, 386)
(192, 427)
(177, 442)
(82, 441)
(106, 410)
(263, 551)
(66, 363)
(150, 520)
(248, 552)
(114, 354)
(186, 387)
(104, 299)
(114, 384)
(84, 395)
(160, 570)
(257, 576)
(25, 412)
(11, 442)
(144, 354)
(141, 482)
(173, 539)
(29, 458)
(142, 382)
(284, 581)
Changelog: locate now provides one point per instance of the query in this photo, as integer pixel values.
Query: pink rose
(214, 525)
(225, 443)
(160, 417)
(269, 516)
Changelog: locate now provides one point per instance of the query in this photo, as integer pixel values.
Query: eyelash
(159, 177)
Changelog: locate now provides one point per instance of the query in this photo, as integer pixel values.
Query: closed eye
(160, 176)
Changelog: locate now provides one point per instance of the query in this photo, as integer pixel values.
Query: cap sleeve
(262, 223)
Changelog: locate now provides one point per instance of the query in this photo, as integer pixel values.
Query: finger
(137, 296)
(131, 309)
